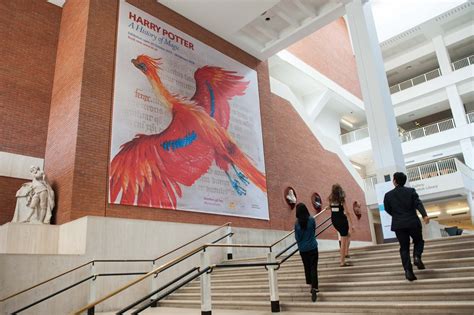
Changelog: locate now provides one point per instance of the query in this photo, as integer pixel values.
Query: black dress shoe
(410, 275)
(314, 295)
(417, 262)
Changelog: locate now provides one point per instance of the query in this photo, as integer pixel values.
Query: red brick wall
(8, 188)
(28, 39)
(65, 105)
(85, 189)
(295, 158)
(329, 51)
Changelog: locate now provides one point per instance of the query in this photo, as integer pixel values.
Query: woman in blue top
(305, 229)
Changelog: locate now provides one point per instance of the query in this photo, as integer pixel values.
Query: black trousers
(403, 236)
(310, 263)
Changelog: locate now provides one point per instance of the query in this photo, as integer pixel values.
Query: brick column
(78, 132)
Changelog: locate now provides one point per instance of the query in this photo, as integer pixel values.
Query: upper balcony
(418, 144)
(409, 135)
(443, 177)
(430, 75)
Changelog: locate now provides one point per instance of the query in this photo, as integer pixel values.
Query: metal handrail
(208, 269)
(154, 301)
(293, 231)
(93, 277)
(163, 267)
(293, 244)
(189, 254)
(196, 239)
(110, 261)
(149, 295)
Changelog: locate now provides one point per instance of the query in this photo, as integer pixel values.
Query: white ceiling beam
(305, 8)
(267, 32)
(288, 18)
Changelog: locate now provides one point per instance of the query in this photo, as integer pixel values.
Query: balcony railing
(470, 118)
(370, 182)
(458, 64)
(423, 171)
(428, 130)
(433, 169)
(408, 135)
(355, 135)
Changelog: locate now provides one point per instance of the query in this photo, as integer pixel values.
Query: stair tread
(344, 293)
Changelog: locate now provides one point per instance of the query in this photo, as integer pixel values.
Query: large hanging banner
(186, 128)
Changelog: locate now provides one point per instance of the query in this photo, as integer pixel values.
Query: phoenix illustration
(150, 169)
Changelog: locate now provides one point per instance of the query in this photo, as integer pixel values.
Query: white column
(92, 288)
(442, 55)
(444, 61)
(470, 203)
(205, 281)
(229, 242)
(386, 146)
(154, 284)
(457, 107)
(468, 152)
(273, 282)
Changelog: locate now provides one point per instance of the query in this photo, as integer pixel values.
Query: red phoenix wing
(215, 87)
(150, 168)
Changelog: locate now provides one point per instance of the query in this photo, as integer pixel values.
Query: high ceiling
(260, 27)
(263, 27)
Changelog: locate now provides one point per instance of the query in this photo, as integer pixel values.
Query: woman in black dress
(340, 220)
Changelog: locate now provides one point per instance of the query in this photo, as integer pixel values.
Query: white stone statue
(291, 196)
(35, 200)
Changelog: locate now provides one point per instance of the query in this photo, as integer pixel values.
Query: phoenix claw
(238, 189)
(244, 179)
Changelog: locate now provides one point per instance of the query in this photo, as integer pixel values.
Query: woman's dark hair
(337, 194)
(302, 214)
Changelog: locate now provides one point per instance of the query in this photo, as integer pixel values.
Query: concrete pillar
(444, 61)
(205, 282)
(386, 146)
(470, 203)
(229, 251)
(468, 152)
(456, 105)
(442, 55)
(273, 283)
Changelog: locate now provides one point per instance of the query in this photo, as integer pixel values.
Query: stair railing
(204, 271)
(94, 275)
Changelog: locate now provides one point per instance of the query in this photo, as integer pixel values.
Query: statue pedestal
(21, 238)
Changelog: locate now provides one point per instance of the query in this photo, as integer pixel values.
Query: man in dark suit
(401, 203)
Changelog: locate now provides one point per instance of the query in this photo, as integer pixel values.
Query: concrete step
(354, 277)
(392, 295)
(236, 273)
(376, 260)
(446, 242)
(392, 266)
(469, 243)
(422, 284)
(410, 307)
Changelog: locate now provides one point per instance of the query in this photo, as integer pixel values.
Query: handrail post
(273, 281)
(205, 281)
(154, 285)
(92, 289)
(229, 242)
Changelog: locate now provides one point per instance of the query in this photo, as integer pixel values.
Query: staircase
(375, 284)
